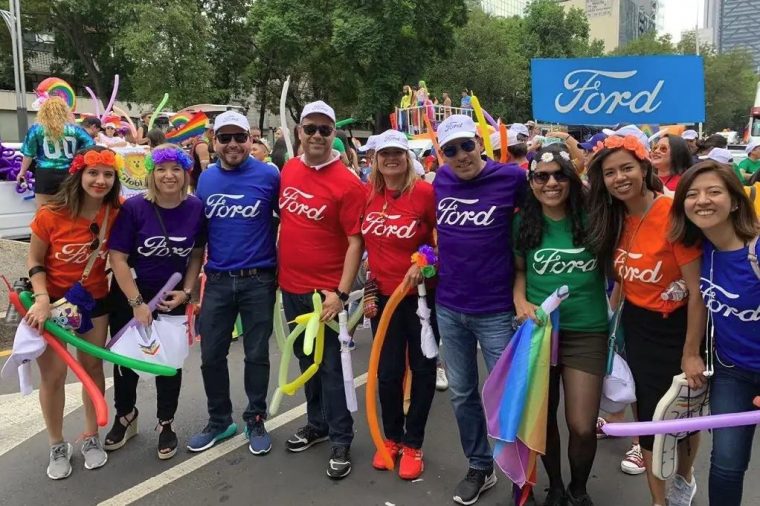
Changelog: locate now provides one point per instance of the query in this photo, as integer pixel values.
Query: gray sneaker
(60, 461)
(94, 454)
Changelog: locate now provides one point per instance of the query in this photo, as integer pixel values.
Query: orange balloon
(434, 138)
(504, 142)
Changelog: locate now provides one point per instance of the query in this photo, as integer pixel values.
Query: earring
(734, 208)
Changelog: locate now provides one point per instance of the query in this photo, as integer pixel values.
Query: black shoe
(304, 438)
(556, 497)
(167, 440)
(475, 483)
(340, 462)
(580, 500)
(119, 433)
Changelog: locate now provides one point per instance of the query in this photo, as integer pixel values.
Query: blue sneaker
(209, 436)
(259, 441)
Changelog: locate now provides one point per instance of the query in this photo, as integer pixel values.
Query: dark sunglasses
(95, 230)
(543, 177)
(324, 130)
(240, 138)
(467, 146)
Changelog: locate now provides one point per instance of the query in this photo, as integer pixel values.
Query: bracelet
(41, 294)
(36, 270)
(137, 301)
(188, 295)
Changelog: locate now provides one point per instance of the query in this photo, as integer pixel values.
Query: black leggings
(125, 379)
(582, 393)
(404, 335)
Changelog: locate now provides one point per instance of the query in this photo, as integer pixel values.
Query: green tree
(647, 44)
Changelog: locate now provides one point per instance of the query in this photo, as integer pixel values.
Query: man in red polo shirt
(320, 248)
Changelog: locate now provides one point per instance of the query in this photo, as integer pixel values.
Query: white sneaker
(441, 381)
(92, 451)
(633, 463)
(60, 461)
(681, 492)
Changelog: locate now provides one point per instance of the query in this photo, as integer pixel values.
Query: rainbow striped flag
(180, 119)
(516, 397)
(193, 128)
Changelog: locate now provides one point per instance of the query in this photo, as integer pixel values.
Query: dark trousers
(403, 337)
(125, 379)
(325, 395)
(253, 299)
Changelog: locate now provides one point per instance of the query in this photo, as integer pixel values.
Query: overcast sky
(681, 15)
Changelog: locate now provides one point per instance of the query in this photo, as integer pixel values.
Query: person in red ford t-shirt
(320, 248)
(398, 219)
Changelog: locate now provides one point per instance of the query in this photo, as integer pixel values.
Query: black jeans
(325, 395)
(253, 299)
(125, 379)
(403, 337)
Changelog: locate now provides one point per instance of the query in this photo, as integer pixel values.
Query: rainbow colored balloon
(57, 87)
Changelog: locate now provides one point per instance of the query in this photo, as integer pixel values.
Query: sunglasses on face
(95, 230)
(324, 130)
(543, 177)
(240, 138)
(467, 146)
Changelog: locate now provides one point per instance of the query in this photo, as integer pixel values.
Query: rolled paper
(553, 301)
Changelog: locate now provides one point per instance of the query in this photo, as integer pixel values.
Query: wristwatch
(137, 301)
(343, 296)
(188, 295)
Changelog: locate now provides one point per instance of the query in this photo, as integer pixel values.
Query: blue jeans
(732, 391)
(253, 299)
(462, 333)
(326, 409)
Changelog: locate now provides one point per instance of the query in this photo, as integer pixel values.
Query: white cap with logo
(318, 107)
(690, 135)
(720, 155)
(519, 129)
(391, 139)
(231, 118)
(456, 126)
(752, 145)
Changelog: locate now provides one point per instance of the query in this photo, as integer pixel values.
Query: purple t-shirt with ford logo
(137, 233)
(474, 223)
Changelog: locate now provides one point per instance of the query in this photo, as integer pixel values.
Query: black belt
(242, 273)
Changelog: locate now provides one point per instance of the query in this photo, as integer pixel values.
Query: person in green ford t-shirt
(751, 164)
(549, 242)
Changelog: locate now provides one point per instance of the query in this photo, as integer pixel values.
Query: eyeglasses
(240, 138)
(95, 230)
(311, 129)
(467, 146)
(663, 148)
(543, 177)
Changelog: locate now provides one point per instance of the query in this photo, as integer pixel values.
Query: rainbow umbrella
(516, 396)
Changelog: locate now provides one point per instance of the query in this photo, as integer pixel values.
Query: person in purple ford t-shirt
(475, 203)
(156, 234)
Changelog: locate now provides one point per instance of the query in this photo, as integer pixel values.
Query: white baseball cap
(629, 130)
(28, 345)
(418, 168)
(318, 107)
(231, 118)
(495, 140)
(391, 139)
(519, 129)
(752, 145)
(370, 144)
(690, 135)
(456, 126)
(720, 155)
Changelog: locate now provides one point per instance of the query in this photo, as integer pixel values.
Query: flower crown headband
(164, 155)
(629, 143)
(92, 158)
(549, 157)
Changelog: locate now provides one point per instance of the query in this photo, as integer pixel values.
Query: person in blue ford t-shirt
(239, 195)
(710, 206)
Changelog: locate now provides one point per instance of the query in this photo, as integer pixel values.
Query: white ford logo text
(587, 97)
(216, 205)
(294, 201)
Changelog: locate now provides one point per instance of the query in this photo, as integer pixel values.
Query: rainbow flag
(516, 396)
(649, 130)
(193, 128)
(180, 119)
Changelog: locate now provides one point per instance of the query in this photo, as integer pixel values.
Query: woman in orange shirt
(66, 234)
(629, 223)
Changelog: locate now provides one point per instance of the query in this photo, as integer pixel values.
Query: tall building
(617, 22)
(710, 31)
(504, 8)
(738, 24)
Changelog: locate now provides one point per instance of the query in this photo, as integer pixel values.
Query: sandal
(120, 433)
(167, 440)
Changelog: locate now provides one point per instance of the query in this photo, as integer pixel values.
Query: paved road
(228, 474)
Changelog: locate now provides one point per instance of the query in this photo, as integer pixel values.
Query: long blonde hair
(377, 181)
(53, 115)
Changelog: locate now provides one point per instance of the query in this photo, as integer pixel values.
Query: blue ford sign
(612, 90)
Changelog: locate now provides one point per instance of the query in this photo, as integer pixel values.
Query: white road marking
(194, 463)
(21, 417)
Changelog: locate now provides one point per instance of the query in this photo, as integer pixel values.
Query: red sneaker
(411, 465)
(393, 448)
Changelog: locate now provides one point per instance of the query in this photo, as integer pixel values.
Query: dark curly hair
(531, 229)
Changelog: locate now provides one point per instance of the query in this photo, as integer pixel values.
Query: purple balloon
(680, 425)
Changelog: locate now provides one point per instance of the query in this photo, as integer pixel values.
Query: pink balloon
(113, 96)
(94, 100)
(678, 426)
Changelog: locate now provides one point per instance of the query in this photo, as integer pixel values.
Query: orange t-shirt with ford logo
(646, 263)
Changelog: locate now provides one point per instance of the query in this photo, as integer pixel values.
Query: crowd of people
(643, 213)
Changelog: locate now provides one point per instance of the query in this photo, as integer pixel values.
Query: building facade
(738, 26)
(504, 8)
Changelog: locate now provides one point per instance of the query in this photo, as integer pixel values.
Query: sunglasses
(95, 230)
(240, 138)
(543, 177)
(467, 146)
(324, 130)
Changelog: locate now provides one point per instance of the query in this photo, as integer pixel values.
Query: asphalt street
(228, 474)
